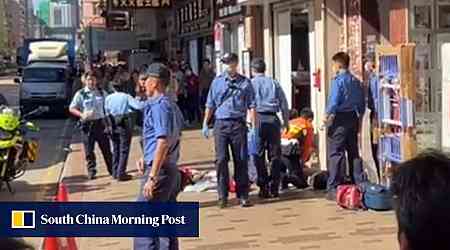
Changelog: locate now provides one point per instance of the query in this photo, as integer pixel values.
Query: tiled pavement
(298, 220)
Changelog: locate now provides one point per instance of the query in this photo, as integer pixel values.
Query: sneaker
(222, 204)
(263, 193)
(91, 176)
(245, 203)
(331, 196)
(124, 177)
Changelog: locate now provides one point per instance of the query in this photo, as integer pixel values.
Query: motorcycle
(18, 143)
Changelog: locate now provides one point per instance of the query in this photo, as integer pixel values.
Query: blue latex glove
(205, 131)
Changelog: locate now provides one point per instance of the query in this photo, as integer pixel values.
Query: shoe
(91, 176)
(222, 204)
(331, 196)
(263, 193)
(124, 177)
(245, 203)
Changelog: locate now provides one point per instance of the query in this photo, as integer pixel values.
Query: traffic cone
(62, 195)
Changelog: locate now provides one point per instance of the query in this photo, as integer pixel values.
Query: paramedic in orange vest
(301, 133)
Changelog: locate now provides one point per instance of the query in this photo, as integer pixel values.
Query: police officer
(230, 97)
(161, 138)
(120, 107)
(88, 105)
(270, 99)
(346, 106)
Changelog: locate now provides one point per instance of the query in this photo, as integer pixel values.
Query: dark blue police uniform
(230, 130)
(346, 102)
(270, 99)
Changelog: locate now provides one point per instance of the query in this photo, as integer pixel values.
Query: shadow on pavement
(289, 196)
(25, 191)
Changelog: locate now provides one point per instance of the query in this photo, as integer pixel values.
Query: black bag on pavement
(319, 180)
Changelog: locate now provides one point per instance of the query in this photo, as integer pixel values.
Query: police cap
(229, 58)
(258, 64)
(158, 70)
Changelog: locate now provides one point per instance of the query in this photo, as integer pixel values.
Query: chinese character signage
(226, 8)
(194, 16)
(136, 4)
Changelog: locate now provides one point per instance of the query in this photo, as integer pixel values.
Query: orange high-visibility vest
(301, 127)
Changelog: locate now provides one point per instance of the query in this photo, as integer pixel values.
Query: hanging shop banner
(218, 36)
(138, 4)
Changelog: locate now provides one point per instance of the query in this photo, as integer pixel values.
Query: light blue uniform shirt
(90, 100)
(346, 95)
(162, 119)
(269, 96)
(119, 103)
(235, 107)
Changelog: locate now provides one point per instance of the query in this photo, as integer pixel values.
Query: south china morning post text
(114, 219)
(100, 219)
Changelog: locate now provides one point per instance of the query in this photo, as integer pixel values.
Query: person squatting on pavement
(270, 99)
(163, 122)
(346, 106)
(230, 97)
(88, 105)
(120, 106)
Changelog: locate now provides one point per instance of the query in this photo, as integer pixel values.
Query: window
(44, 75)
(57, 17)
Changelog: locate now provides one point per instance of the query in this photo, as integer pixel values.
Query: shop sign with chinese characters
(193, 16)
(137, 4)
(226, 8)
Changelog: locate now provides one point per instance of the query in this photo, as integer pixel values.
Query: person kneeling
(297, 145)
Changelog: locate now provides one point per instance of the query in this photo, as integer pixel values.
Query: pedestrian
(270, 99)
(230, 97)
(193, 101)
(161, 138)
(421, 189)
(182, 89)
(206, 77)
(120, 107)
(345, 109)
(88, 105)
(372, 104)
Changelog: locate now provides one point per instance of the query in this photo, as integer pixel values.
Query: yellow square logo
(22, 219)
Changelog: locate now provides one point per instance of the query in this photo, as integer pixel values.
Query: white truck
(47, 77)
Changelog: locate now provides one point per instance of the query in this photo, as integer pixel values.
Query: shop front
(195, 31)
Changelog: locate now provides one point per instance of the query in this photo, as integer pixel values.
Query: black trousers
(94, 131)
(231, 133)
(121, 139)
(166, 190)
(292, 170)
(269, 131)
(343, 138)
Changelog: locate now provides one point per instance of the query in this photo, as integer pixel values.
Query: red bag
(349, 197)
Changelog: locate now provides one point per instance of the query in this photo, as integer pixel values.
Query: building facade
(16, 22)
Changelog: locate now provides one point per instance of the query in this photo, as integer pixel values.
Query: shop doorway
(293, 36)
(301, 87)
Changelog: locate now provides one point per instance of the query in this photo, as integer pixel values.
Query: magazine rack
(396, 105)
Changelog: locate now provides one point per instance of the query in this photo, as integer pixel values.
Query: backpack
(377, 197)
(350, 197)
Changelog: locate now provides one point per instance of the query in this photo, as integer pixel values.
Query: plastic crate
(391, 148)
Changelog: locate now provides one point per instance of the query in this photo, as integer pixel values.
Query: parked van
(45, 84)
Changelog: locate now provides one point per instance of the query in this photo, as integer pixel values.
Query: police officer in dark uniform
(88, 105)
(270, 99)
(346, 106)
(230, 97)
(163, 122)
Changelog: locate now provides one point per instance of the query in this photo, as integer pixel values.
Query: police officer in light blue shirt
(270, 99)
(230, 97)
(163, 122)
(346, 106)
(88, 105)
(120, 106)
